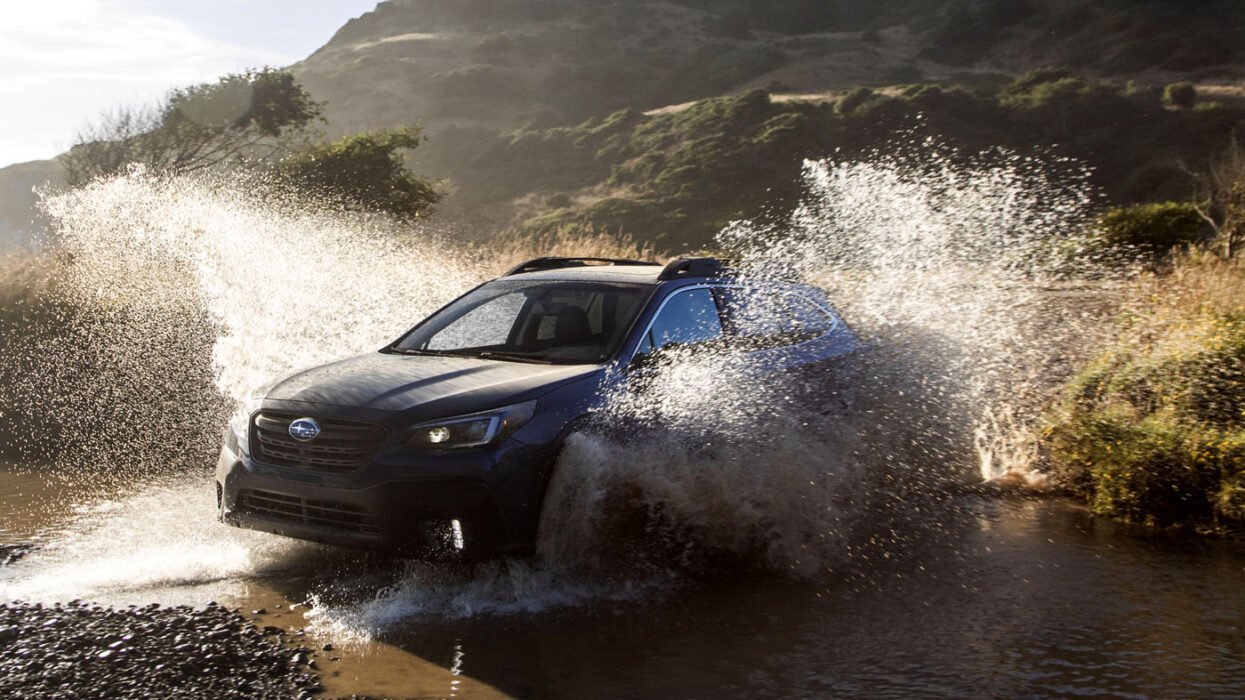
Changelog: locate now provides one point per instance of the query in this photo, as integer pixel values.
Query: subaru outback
(450, 434)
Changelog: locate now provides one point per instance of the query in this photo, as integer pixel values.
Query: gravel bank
(84, 651)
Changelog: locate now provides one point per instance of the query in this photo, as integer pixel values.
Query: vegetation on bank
(1153, 430)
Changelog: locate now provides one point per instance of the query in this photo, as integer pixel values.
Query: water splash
(955, 269)
(282, 286)
(124, 550)
(177, 296)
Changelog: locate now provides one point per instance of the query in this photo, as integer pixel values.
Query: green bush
(363, 172)
(1182, 95)
(1157, 227)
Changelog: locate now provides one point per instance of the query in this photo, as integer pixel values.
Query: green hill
(516, 97)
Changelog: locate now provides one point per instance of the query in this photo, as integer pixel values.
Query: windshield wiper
(432, 353)
(483, 354)
(513, 357)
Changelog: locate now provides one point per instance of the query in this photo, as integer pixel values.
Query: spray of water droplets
(175, 297)
(955, 269)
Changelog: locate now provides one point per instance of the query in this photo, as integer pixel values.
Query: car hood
(390, 382)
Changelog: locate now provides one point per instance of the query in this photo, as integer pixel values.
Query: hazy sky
(63, 62)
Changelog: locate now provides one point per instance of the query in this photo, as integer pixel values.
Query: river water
(1013, 596)
(839, 548)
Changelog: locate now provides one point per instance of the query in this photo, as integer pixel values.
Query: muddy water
(1004, 597)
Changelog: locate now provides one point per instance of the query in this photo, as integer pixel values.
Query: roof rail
(539, 264)
(691, 267)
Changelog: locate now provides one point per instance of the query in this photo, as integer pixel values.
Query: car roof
(677, 273)
(643, 274)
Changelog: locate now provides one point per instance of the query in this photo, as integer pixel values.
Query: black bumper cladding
(342, 517)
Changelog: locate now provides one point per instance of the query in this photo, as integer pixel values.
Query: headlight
(472, 430)
(240, 423)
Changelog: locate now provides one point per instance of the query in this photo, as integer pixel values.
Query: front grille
(342, 447)
(279, 506)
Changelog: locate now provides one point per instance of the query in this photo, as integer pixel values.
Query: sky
(63, 63)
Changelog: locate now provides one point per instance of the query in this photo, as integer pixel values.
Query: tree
(363, 172)
(242, 115)
(1221, 198)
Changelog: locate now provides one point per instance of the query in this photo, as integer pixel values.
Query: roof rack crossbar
(691, 267)
(540, 264)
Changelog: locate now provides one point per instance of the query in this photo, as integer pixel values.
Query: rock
(140, 652)
(10, 553)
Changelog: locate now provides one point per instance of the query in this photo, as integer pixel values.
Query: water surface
(1003, 598)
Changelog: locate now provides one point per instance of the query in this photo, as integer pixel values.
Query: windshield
(532, 321)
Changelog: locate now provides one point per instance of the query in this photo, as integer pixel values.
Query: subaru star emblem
(304, 429)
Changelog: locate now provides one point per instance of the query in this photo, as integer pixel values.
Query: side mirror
(645, 361)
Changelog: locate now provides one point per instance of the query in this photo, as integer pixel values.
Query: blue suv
(447, 438)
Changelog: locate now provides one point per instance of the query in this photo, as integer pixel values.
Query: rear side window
(808, 316)
(755, 312)
(688, 317)
(767, 318)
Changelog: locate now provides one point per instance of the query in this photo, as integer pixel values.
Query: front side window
(535, 321)
(687, 318)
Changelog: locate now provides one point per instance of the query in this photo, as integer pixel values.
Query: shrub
(363, 172)
(853, 100)
(1157, 227)
(1182, 95)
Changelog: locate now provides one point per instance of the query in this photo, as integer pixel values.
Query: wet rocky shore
(10, 553)
(88, 651)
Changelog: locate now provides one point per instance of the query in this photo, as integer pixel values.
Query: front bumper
(495, 496)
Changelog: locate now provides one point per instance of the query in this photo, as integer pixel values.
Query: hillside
(489, 63)
(540, 113)
(508, 91)
(18, 218)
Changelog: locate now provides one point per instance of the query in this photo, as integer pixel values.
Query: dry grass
(511, 248)
(24, 277)
(1154, 429)
(1197, 287)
